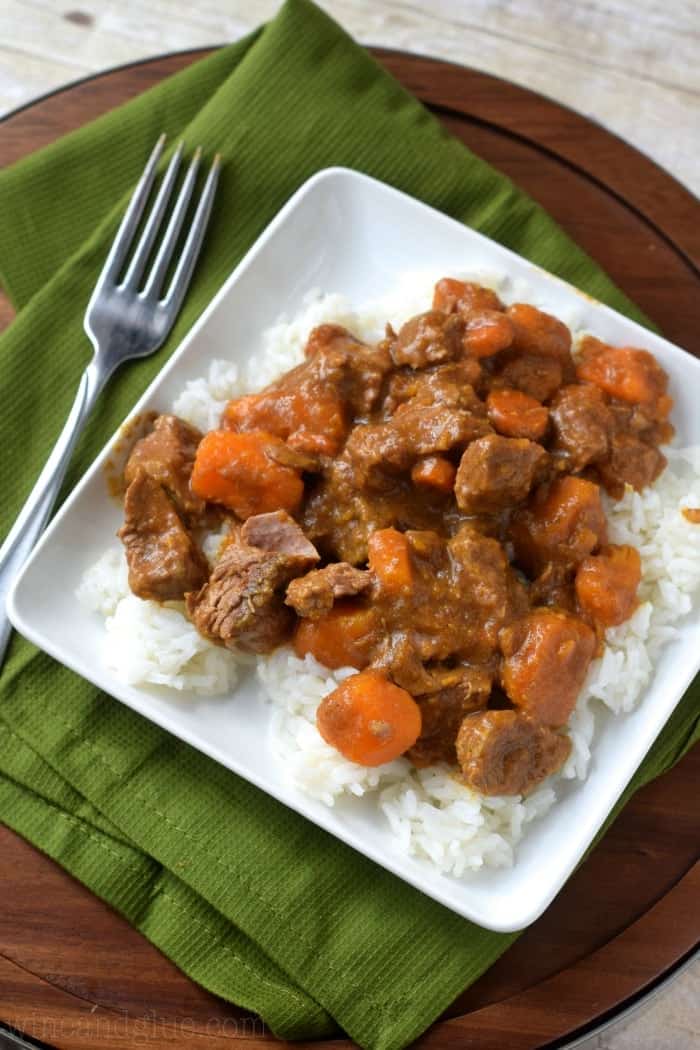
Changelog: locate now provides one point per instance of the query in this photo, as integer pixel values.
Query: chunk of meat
(375, 450)
(546, 657)
(487, 332)
(482, 575)
(164, 561)
(631, 462)
(428, 339)
(313, 595)
(583, 424)
(555, 586)
(344, 363)
(640, 421)
(279, 533)
(504, 753)
(167, 455)
(536, 332)
(239, 470)
(369, 719)
(606, 584)
(345, 636)
(242, 605)
(562, 522)
(533, 374)
(517, 415)
(496, 471)
(450, 384)
(625, 373)
(462, 690)
(464, 297)
(452, 601)
(339, 518)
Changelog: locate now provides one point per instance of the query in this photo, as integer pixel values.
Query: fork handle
(35, 513)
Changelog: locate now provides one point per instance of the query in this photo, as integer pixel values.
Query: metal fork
(125, 318)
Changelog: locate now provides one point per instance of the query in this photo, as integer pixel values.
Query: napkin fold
(248, 898)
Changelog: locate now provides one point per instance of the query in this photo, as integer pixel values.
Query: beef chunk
(242, 605)
(313, 595)
(356, 370)
(164, 561)
(279, 533)
(631, 462)
(533, 374)
(428, 339)
(537, 332)
(167, 455)
(582, 423)
(461, 691)
(464, 297)
(496, 472)
(450, 384)
(504, 753)
(377, 450)
(562, 522)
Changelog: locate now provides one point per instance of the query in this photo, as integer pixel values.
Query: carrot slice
(536, 332)
(625, 373)
(606, 584)
(563, 523)
(547, 654)
(344, 637)
(487, 332)
(239, 471)
(390, 560)
(453, 296)
(516, 414)
(434, 472)
(313, 424)
(369, 719)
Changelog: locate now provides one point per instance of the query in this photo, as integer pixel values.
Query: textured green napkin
(248, 898)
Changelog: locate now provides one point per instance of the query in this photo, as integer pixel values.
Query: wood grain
(631, 63)
(75, 975)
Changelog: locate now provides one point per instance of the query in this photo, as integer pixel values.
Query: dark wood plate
(75, 975)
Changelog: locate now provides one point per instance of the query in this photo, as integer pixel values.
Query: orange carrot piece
(547, 654)
(516, 414)
(563, 523)
(312, 424)
(342, 638)
(390, 560)
(453, 296)
(239, 471)
(606, 584)
(625, 373)
(536, 332)
(369, 719)
(486, 333)
(434, 472)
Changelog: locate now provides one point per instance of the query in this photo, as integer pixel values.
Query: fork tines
(151, 289)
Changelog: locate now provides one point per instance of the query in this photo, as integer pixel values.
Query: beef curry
(426, 510)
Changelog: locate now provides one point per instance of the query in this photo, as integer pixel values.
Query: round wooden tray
(75, 975)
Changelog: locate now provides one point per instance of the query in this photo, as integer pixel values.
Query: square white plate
(344, 232)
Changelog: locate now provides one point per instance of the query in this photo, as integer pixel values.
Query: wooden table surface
(632, 65)
(590, 942)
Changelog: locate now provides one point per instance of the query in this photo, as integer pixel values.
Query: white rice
(430, 814)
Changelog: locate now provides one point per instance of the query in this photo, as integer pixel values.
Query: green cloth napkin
(247, 897)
